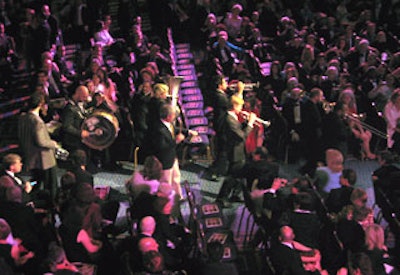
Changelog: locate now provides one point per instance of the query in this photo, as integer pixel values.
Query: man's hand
(251, 119)
(179, 138)
(278, 183)
(193, 133)
(85, 134)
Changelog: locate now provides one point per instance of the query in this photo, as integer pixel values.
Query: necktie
(172, 130)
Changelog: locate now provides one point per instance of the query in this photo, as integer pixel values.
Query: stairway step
(197, 121)
(190, 91)
(192, 98)
(189, 77)
(188, 55)
(183, 46)
(202, 130)
(187, 72)
(183, 50)
(189, 84)
(185, 67)
(194, 113)
(193, 105)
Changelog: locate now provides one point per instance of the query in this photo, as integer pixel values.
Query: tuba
(173, 83)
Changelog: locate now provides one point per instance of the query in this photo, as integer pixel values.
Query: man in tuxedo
(12, 165)
(285, 258)
(37, 145)
(79, 162)
(311, 130)
(166, 137)
(72, 118)
(340, 197)
(236, 134)
(220, 104)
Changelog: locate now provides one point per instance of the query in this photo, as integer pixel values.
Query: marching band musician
(236, 134)
(73, 116)
(37, 145)
(165, 138)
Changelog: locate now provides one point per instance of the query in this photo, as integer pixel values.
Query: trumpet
(246, 115)
(328, 106)
(247, 86)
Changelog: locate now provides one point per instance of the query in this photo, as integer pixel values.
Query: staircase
(190, 99)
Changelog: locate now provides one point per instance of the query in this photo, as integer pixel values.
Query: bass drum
(103, 128)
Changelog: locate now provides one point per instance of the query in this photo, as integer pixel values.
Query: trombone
(359, 119)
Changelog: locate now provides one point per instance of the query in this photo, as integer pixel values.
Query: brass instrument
(266, 123)
(173, 83)
(247, 86)
(328, 106)
(358, 118)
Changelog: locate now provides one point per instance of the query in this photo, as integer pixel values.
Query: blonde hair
(160, 89)
(374, 237)
(237, 100)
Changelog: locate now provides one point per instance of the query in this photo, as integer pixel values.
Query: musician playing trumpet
(236, 134)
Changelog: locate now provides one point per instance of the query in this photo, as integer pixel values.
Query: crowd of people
(313, 81)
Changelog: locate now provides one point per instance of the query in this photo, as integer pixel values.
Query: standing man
(236, 134)
(166, 137)
(73, 116)
(37, 145)
(311, 130)
(220, 105)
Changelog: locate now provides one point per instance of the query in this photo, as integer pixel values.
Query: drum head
(103, 128)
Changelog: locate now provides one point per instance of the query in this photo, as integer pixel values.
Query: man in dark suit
(340, 197)
(79, 161)
(220, 105)
(37, 145)
(236, 134)
(53, 24)
(41, 37)
(73, 116)
(165, 139)
(284, 257)
(311, 134)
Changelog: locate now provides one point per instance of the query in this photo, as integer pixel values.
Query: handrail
(10, 113)
(8, 147)
(15, 100)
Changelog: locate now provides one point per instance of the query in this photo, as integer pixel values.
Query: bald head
(286, 234)
(81, 94)
(147, 244)
(148, 225)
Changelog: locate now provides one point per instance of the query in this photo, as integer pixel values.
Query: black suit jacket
(220, 106)
(72, 119)
(338, 198)
(164, 145)
(24, 225)
(82, 176)
(286, 261)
